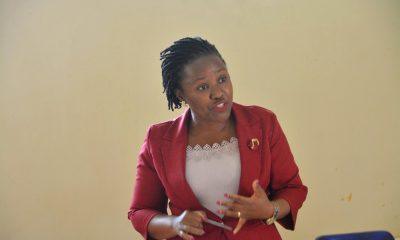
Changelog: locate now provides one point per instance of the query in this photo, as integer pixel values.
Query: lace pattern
(203, 152)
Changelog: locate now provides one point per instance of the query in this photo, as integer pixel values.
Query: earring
(182, 100)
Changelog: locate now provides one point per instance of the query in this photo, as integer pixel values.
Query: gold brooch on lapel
(253, 144)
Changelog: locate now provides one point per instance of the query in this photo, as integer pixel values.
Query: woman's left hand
(258, 206)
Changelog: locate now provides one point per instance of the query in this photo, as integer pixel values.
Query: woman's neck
(210, 132)
(210, 126)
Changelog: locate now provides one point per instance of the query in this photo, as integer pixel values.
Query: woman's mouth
(221, 107)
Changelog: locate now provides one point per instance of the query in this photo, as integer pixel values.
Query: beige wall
(80, 83)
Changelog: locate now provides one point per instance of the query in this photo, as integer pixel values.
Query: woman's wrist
(268, 210)
(275, 213)
(277, 208)
(162, 226)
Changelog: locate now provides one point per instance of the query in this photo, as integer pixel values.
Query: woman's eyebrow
(216, 71)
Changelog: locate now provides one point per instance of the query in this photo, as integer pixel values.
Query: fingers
(185, 235)
(249, 207)
(236, 201)
(233, 213)
(256, 186)
(189, 224)
(236, 198)
(202, 214)
(196, 220)
(229, 204)
(192, 229)
(236, 204)
(239, 225)
(186, 232)
(258, 191)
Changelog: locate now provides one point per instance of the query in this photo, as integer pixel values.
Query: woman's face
(207, 88)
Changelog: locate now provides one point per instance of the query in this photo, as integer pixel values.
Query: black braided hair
(175, 58)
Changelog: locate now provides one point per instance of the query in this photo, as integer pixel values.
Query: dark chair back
(372, 235)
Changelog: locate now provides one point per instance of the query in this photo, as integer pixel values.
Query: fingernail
(202, 232)
(220, 211)
(219, 202)
(226, 195)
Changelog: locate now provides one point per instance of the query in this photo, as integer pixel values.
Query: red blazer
(160, 175)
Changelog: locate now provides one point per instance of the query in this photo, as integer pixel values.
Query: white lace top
(212, 171)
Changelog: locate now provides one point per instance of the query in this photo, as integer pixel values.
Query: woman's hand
(258, 206)
(188, 224)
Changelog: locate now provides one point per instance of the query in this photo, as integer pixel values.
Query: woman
(218, 161)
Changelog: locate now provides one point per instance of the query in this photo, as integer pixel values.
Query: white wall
(80, 83)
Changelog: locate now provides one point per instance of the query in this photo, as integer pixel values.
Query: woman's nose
(216, 92)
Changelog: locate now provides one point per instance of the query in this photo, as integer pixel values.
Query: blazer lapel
(247, 129)
(173, 149)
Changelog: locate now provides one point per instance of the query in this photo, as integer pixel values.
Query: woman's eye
(202, 87)
(222, 79)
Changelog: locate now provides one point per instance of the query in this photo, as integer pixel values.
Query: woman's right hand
(189, 223)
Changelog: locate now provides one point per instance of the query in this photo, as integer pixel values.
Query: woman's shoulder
(254, 115)
(168, 129)
(161, 126)
(254, 111)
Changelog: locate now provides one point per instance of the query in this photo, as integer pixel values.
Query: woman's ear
(179, 94)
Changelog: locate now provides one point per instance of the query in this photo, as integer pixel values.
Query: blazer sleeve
(285, 181)
(149, 198)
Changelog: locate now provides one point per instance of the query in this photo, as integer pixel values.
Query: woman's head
(174, 60)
